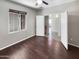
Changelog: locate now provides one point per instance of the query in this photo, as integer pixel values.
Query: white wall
(7, 39)
(73, 19)
(74, 29)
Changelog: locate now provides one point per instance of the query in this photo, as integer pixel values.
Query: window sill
(16, 31)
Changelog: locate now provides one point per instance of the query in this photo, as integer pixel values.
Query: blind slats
(16, 11)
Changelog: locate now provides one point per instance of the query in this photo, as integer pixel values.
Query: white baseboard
(16, 42)
(73, 45)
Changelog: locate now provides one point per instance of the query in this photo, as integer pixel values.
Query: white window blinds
(17, 21)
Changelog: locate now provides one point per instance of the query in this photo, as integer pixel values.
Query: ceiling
(31, 3)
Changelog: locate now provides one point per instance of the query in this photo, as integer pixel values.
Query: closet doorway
(46, 27)
(53, 26)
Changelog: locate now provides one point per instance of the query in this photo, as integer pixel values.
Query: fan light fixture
(39, 2)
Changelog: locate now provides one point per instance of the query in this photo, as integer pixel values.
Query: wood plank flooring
(39, 48)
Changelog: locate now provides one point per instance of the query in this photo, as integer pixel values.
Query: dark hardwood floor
(39, 48)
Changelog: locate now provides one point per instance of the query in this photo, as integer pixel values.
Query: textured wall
(7, 39)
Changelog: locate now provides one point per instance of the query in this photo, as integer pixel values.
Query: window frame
(19, 28)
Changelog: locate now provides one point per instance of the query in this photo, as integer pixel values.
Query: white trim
(16, 42)
(19, 28)
(73, 45)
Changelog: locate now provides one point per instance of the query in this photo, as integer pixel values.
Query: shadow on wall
(73, 22)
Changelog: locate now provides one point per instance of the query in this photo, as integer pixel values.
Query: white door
(64, 29)
(40, 25)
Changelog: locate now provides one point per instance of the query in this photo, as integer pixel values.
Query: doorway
(46, 27)
(55, 26)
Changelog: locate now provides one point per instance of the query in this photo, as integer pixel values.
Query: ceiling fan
(39, 2)
(45, 2)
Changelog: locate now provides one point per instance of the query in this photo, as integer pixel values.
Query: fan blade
(45, 2)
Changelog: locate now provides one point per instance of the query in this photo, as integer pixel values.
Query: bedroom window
(17, 21)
